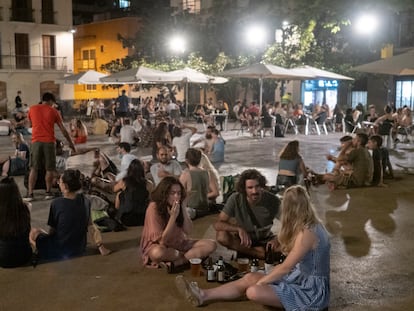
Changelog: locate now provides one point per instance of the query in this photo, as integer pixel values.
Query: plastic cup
(243, 264)
(195, 266)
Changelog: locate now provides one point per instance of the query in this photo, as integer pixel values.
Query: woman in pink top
(164, 240)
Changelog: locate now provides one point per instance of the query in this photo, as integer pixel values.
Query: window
(47, 12)
(21, 41)
(22, 11)
(49, 52)
(404, 94)
(124, 4)
(88, 59)
(359, 97)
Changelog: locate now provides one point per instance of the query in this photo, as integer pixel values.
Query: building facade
(36, 48)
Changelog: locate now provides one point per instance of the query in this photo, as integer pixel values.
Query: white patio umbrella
(263, 71)
(189, 75)
(399, 65)
(87, 77)
(317, 73)
(135, 75)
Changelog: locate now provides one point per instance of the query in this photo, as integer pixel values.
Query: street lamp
(366, 24)
(177, 44)
(256, 35)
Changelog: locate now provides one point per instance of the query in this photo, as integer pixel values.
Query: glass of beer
(243, 264)
(195, 266)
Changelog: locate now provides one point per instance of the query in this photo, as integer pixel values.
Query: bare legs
(233, 242)
(200, 249)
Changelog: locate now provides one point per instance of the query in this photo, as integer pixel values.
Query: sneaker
(49, 196)
(28, 198)
(189, 290)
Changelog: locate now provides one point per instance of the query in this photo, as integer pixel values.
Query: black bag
(279, 130)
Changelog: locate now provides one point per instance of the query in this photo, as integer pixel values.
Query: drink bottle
(211, 272)
(221, 269)
(254, 267)
(269, 259)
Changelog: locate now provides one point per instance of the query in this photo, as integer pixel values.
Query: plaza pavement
(371, 236)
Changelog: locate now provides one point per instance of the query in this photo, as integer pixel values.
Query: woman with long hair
(300, 282)
(15, 249)
(291, 165)
(132, 195)
(164, 240)
(78, 131)
(69, 219)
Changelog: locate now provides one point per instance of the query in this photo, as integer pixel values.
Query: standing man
(43, 150)
(253, 210)
(122, 106)
(18, 101)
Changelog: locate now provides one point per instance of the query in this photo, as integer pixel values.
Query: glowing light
(366, 24)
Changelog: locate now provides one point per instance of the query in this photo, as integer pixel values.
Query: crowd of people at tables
(182, 183)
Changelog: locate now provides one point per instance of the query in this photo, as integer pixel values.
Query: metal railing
(25, 62)
(21, 15)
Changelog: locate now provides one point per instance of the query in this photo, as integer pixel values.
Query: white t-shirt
(125, 162)
(128, 134)
(173, 167)
(182, 144)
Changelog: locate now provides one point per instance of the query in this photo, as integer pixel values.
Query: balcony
(38, 63)
(48, 17)
(21, 15)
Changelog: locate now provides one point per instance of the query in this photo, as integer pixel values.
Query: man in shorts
(245, 222)
(43, 151)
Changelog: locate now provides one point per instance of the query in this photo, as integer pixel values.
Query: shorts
(43, 155)
(121, 114)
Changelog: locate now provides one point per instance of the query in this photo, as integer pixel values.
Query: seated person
(132, 195)
(128, 133)
(100, 126)
(69, 219)
(216, 153)
(78, 132)
(245, 222)
(199, 185)
(165, 166)
(304, 273)
(164, 239)
(20, 123)
(104, 167)
(19, 163)
(362, 167)
(345, 149)
(5, 126)
(15, 249)
(290, 165)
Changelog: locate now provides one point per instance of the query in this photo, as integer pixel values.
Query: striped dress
(306, 287)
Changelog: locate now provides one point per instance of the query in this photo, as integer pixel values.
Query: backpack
(229, 186)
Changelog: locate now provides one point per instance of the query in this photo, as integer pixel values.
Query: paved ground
(371, 231)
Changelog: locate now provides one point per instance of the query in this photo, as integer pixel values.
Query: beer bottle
(211, 272)
(221, 269)
(269, 259)
(254, 267)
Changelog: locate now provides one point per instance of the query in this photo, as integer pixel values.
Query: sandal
(189, 290)
(168, 266)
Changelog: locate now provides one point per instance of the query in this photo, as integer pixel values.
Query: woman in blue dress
(301, 282)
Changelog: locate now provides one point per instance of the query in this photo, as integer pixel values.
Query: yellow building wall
(103, 38)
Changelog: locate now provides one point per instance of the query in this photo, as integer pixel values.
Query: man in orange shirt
(43, 151)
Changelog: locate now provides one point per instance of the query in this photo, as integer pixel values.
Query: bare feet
(104, 251)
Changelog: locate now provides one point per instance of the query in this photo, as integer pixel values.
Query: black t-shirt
(70, 220)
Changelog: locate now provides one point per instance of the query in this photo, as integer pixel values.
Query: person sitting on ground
(164, 239)
(291, 165)
(345, 149)
(78, 131)
(20, 123)
(69, 219)
(114, 134)
(18, 164)
(374, 144)
(165, 166)
(216, 153)
(124, 151)
(181, 142)
(103, 166)
(5, 126)
(301, 282)
(15, 249)
(132, 195)
(245, 223)
(361, 161)
(199, 185)
(128, 134)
